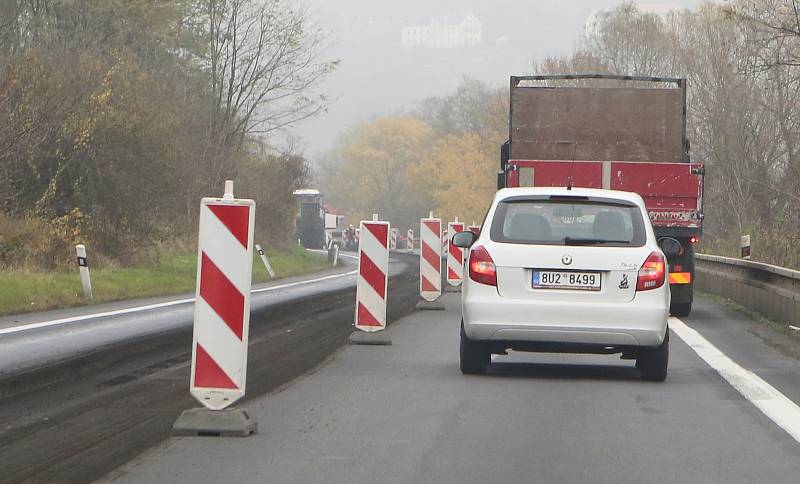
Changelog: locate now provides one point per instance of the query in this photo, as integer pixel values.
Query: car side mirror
(671, 247)
(464, 239)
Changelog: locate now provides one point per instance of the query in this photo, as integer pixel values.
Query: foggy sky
(379, 76)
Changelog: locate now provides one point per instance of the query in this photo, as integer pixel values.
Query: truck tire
(680, 310)
(474, 355)
(653, 362)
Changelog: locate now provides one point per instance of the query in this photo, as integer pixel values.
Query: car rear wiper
(571, 241)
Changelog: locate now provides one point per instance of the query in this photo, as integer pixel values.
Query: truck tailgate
(673, 192)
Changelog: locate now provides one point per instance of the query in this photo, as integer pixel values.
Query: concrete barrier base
(231, 422)
(430, 305)
(449, 288)
(377, 338)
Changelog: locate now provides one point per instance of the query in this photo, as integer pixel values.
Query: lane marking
(136, 309)
(775, 405)
(325, 252)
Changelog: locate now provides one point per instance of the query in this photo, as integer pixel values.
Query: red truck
(614, 132)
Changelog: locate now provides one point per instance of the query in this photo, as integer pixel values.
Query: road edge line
(772, 403)
(136, 309)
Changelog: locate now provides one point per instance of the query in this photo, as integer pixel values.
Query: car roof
(575, 192)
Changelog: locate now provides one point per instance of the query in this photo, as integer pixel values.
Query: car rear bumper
(489, 317)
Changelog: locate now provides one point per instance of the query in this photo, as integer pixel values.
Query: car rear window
(572, 221)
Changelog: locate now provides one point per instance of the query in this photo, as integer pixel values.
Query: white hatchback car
(565, 271)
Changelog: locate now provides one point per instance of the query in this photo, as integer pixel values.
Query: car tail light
(481, 266)
(652, 273)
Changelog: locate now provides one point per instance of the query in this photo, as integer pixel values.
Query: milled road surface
(123, 400)
(405, 414)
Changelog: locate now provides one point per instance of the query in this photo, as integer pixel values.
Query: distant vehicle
(310, 226)
(572, 271)
(612, 132)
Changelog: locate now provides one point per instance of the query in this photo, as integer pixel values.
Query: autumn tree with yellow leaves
(442, 157)
(373, 173)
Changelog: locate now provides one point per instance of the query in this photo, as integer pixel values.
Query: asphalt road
(32, 341)
(405, 414)
(104, 408)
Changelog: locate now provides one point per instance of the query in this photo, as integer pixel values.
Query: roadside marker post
(221, 318)
(430, 264)
(455, 257)
(410, 239)
(264, 259)
(372, 284)
(83, 268)
(744, 244)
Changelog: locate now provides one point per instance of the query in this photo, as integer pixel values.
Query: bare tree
(265, 62)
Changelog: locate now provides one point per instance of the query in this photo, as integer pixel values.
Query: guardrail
(769, 290)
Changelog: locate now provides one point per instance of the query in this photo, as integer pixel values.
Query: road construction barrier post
(83, 268)
(475, 229)
(455, 256)
(745, 246)
(410, 239)
(430, 264)
(264, 259)
(221, 318)
(372, 284)
(393, 242)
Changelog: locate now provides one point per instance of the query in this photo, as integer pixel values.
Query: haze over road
(380, 76)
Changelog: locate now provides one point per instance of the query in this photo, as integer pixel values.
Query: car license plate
(582, 281)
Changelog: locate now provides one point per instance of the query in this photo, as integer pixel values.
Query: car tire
(652, 362)
(475, 356)
(681, 310)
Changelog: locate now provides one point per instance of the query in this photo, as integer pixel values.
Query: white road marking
(177, 302)
(775, 405)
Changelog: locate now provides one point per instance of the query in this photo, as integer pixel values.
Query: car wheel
(475, 356)
(680, 310)
(652, 362)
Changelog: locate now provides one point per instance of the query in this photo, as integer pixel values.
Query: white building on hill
(467, 32)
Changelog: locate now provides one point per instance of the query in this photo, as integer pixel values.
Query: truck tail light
(694, 240)
(652, 273)
(481, 266)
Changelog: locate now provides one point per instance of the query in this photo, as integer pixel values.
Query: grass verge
(173, 273)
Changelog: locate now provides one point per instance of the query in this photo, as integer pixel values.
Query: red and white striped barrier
(455, 256)
(430, 259)
(410, 239)
(395, 236)
(475, 229)
(222, 300)
(373, 272)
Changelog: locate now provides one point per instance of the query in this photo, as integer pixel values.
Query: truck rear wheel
(680, 310)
